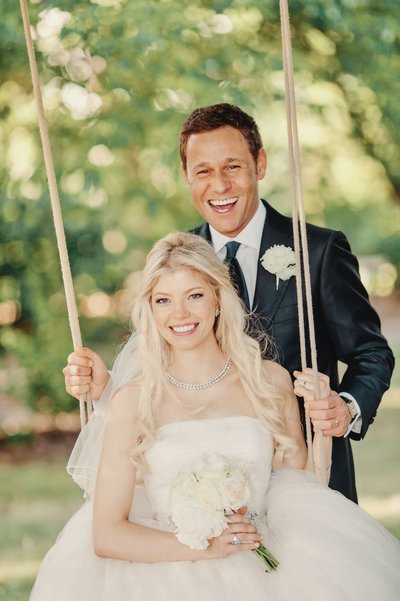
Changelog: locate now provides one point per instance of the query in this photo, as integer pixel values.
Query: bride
(190, 384)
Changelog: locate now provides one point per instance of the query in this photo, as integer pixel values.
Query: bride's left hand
(329, 413)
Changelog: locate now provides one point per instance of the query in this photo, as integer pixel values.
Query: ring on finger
(235, 540)
(336, 422)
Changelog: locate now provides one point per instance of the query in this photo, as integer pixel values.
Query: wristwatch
(351, 406)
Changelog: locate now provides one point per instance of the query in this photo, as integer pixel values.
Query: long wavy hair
(188, 251)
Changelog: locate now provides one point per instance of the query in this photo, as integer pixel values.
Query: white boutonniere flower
(281, 261)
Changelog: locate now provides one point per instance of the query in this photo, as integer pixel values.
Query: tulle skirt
(328, 548)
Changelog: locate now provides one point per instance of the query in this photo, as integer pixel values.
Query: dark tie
(235, 272)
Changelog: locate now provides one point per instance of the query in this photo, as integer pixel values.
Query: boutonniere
(281, 261)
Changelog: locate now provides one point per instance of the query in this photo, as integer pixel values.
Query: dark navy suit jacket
(347, 327)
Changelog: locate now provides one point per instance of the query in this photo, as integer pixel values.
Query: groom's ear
(261, 164)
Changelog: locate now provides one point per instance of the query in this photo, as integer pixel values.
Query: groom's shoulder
(202, 230)
(197, 229)
(316, 234)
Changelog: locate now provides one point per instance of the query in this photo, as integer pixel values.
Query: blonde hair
(189, 251)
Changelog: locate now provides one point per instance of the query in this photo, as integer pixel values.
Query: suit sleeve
(354, 329)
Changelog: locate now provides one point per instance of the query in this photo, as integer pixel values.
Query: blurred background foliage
(118, 79)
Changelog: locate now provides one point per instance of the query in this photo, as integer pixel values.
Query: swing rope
(85, 405)
(299, 227)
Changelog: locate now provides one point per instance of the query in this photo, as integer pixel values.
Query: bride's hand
(329, 413)
(85, 372)
(240, 529)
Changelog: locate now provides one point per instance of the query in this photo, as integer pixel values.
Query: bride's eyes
(163, 300)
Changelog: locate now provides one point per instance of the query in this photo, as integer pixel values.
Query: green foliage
(118, 80)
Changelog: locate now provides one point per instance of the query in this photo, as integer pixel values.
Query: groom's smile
(223, 206)
(222, 176)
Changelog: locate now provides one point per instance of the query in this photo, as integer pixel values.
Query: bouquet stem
(269, 561)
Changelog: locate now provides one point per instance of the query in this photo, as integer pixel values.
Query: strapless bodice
(179, 445)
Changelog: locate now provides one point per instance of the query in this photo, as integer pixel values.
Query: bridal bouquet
(202, 498)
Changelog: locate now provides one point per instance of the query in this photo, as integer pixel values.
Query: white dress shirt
(247, 256)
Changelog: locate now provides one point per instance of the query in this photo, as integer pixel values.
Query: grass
(377, 460)
(36, 500)
(38, 497)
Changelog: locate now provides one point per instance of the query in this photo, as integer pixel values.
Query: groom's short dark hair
(212, 117)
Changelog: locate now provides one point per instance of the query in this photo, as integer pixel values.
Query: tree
(118, 79)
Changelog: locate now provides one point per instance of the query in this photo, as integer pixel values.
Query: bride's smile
(184, 330)
(184, 306)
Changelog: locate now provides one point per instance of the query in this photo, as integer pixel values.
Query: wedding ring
(235, 540)
(336, 422)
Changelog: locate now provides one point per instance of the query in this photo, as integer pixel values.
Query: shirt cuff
(355, 425)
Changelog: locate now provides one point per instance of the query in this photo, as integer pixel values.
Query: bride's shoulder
(124, 402)
(278, 375)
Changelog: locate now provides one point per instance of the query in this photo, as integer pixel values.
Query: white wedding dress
(328, 548)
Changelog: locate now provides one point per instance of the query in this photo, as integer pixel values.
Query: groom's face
(222, 177)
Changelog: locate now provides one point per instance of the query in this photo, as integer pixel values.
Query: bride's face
(183, 305)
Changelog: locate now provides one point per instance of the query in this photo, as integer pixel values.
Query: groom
(222, 161)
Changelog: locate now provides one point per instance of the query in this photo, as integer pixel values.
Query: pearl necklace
(201, 385)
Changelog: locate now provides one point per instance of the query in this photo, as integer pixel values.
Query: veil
(84, 460)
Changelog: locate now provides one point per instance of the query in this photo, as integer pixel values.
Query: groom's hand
(85, 372)
(329, 413)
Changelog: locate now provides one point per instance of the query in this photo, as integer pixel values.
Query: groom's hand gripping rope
(330, 413)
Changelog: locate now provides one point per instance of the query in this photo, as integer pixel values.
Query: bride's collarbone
(202, 404)
(228, 394)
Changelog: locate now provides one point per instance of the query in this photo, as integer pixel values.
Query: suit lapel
(202, 230)
(266, 297)
(277, 230)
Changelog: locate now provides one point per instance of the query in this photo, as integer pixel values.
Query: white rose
(288, 272)
(196, 525)
(278, 257)
(186, 486)
(281, 261)
(211, 465)
(208, 497)
(182, 511)
(197, 511)
(198, 491)
(235, 491)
